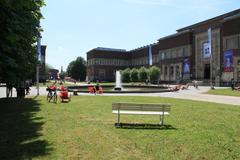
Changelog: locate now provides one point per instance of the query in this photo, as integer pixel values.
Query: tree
(134, 75)
(154, 74)
(77, 69)
(143, 74)
(126, 75)
(20, 30)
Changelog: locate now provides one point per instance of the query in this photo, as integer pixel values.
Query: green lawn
(84, 129)
(225, 92)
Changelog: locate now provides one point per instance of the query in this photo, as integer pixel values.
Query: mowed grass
(84, 129)
(225, 92)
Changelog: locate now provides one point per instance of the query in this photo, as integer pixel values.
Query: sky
(73, 27)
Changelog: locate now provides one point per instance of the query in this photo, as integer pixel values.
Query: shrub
(134, 75)
(143, 74)
(154, 74)
(126, 75)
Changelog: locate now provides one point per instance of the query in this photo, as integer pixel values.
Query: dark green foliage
(20, 29)
(126, 75)
(134, 75)
(77, 69)
(154, 74)
(143, 74)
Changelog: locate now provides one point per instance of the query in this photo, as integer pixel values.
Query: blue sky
(73, 27)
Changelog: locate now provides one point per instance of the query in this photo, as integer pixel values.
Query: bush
(126, 75)
(154, 74)
(143, 74)
(134, 75)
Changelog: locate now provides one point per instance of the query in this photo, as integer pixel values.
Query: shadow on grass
(20, 130)
(143, 126)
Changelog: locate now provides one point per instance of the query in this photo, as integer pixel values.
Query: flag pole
(211, 57)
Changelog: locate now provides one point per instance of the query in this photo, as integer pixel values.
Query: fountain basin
(127, 89)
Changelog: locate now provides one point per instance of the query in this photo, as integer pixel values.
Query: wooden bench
(141, 108)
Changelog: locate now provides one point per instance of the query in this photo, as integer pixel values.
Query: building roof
(143, 47)
(175, 34)
(108, 49)
(221, 17)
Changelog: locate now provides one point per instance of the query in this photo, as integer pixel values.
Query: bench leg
(118, 118)
(161, 119)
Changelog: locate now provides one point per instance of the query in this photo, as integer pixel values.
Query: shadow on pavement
(20, 130)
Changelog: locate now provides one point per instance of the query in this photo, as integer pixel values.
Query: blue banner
(150, 55)
(186, 66)
(39, 50)
(228, 61)
(210, 40)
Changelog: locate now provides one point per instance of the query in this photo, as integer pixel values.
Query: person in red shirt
(63, 92)
(53, 86)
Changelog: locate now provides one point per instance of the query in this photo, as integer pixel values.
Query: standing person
(232, 84)
(195, 84)
(27, 87)
(9, 90)
(53, 87)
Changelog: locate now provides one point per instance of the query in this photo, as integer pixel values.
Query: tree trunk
(20, 92)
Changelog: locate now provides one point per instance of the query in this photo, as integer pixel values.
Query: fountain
(118, 86)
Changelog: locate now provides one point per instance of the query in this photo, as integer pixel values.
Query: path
(191, 93)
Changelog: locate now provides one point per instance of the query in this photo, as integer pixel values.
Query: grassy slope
(83, 129)
(225, 92)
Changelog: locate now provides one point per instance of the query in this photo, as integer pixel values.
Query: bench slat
(141, 107)
(144, 109)
(140, 112)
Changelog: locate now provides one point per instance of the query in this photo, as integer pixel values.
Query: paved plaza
(191, 93)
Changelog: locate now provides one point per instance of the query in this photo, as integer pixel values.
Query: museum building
(208, 50)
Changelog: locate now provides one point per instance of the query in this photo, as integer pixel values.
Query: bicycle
(52, 94)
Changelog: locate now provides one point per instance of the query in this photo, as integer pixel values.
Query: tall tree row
(20, 29)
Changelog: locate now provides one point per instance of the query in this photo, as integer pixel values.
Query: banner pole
(37, 79)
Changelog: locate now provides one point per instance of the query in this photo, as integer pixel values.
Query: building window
(101, 73)
(165, 70)
(171, 70)
(232, 43)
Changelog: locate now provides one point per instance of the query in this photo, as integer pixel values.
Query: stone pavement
(191, 93)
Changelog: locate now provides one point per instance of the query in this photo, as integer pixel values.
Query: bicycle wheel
(49, 96)
(55, 97)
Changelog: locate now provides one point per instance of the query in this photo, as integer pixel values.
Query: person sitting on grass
(185, 86)
(91, 89)
(63, 94)
(176, 88)
(97, 87)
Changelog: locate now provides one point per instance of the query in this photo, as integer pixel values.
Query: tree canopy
(20, 29)
(126, 75)
(77, 69)
(154, 74)
(134, 75)
(143, 74)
